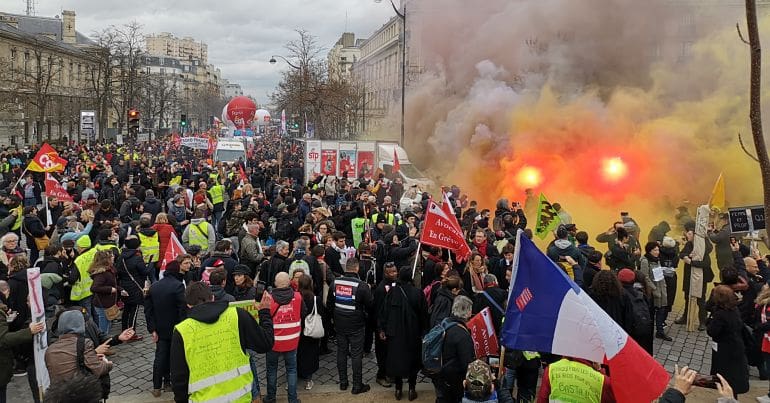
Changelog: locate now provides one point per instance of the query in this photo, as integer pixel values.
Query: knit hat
(71, 322)
(84, 242)
(172, 267)
(242, 269)
(627, 276)
(479, 377)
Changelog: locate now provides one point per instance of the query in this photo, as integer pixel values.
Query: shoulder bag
(314, 327)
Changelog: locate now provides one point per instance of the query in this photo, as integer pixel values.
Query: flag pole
(416, 258)
(13, 189)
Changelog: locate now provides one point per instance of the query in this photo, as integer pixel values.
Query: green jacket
(8, 340)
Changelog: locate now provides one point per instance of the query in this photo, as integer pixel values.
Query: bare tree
(159, 92)
(101, 77)
(128, 52)
(755, 107)
(37, 74)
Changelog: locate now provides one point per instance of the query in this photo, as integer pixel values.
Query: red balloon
(240, 111)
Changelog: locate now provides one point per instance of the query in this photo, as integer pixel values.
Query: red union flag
(173, 250)
(54, 189)
(483, 334)
(47, 160)
(441, 230)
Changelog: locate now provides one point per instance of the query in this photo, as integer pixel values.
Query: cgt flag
(440, 229)
(173, 250)
(547, 312)
(47, 160)
(54, 189)
(547, 218)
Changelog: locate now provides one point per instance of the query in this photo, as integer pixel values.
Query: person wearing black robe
(404, 321)
(390, 274)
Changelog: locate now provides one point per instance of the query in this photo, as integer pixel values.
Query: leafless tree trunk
(755, 110)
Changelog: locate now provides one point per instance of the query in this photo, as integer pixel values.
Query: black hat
(242, 269)
(381, 219)
(689, 226)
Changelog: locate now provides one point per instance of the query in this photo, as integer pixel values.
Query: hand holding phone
(706, 381)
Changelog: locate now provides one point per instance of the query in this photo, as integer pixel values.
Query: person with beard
(402, 322)
(482, 245)
(380, 345)
(132, 274)
(649, 263)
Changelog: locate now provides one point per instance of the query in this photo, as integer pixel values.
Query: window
(71, 73)
(80, 71)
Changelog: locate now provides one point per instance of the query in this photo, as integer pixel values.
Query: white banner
(197, 143)
(312, 159)
(40, 340)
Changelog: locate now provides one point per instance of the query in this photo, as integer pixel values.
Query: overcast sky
(241, 34)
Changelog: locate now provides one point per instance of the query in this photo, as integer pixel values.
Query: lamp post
(401, 15)
(301, 89)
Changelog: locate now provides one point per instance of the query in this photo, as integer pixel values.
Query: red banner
(365, 164)
(441, 230)
(329, 162)
(212, 145)
(54, 189)
(483, 334)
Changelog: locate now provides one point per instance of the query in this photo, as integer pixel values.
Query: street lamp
(301, 88)
(401, 15)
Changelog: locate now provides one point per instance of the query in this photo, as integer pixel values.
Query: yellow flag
(177, 180)
(717, 200)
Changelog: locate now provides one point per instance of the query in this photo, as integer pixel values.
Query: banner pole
(416, 258)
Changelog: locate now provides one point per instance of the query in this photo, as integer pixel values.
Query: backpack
(284, 229)
(433, 348)
(641, 309)
(428, 290)
(299, 264)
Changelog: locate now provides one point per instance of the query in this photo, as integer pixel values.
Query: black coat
(34, 227)
(725, 327)
(268, 270)
(165, 306)
(441, 307)
(705, 264)
(457, 353)
(309, 348)
(499, 296)
(618, 308)
(130, 263)
(404, 321)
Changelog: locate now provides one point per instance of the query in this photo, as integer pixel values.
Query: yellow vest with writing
(219, 369)
(150, 247)
(573, 381)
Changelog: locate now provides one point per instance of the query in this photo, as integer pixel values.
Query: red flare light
(614, 169)
(529, 177)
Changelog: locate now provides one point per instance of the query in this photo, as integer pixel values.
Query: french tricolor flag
(548, 312)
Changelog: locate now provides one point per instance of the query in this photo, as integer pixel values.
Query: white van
(229, 151)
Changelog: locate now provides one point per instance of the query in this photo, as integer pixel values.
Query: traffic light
(183, 120)
(133, 120)
(296, 125)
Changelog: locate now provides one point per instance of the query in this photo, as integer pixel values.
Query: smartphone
(706, 381)
(732, 239)
(494, 361)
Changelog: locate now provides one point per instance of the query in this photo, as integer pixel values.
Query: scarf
(482, 247)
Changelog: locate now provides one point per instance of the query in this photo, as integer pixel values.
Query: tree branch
(743, 146)
(740, 35)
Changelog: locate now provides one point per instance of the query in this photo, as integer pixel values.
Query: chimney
(68, 34)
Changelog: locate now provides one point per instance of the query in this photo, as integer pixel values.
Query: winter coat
(404, 320)
(705, 265)
(441, 307)
(165, 305)
(309, 348)
(164, 237)
(153, 206)
(346, 321)
(658, 232)
(61, 358)
(244, 294)
(220, 294)
(18, 299)
(253, 336)
(268, 270)
(725, 328)
(618, 308)
(250, 252)
(230, 264)
(659, 294)
(499, 296)
(211, 234)
(31, 225)
(563, 247)
(721, 240)
(131, 262)
(457, 352)
(8, 341)
(104, 281)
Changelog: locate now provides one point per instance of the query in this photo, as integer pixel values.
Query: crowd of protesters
(327, 260)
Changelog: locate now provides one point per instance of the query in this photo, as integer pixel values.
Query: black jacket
(458, 351)
(277, 263)
(441, 307)
(499, 296)
(131, 262)
(351, 320)
(253, 336)
(153, 206)
(165, 306)
(32, 226)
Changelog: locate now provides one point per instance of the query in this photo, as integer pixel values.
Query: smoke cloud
(568, 88)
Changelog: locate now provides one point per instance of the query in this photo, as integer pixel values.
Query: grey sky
(241, 34)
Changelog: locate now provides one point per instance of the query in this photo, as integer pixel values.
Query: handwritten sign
(739, 219)
(40, 340)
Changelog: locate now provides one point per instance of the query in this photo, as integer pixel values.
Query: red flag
(54, 189)
(212, 145)
(483, 334)
(242, 173)
(396, 162)
(47, 160)
(173, 250)
(440, 229)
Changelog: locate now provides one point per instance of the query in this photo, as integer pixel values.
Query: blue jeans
(216, 218)
(86, 303)
(255, 372)
(290, 360)
(102, 321)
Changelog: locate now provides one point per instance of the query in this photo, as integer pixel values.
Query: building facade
(45, 73)
(165, 44)
(342, 56)
(232, 90)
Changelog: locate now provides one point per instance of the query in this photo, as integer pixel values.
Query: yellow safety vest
(358, 226)
(19, 218)
(82, 288)
(150, 247)
(222, 374)
(199, 235)
(573, 381)
(391, 218)
(217, 193)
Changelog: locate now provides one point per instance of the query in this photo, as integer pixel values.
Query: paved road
(132, 375)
